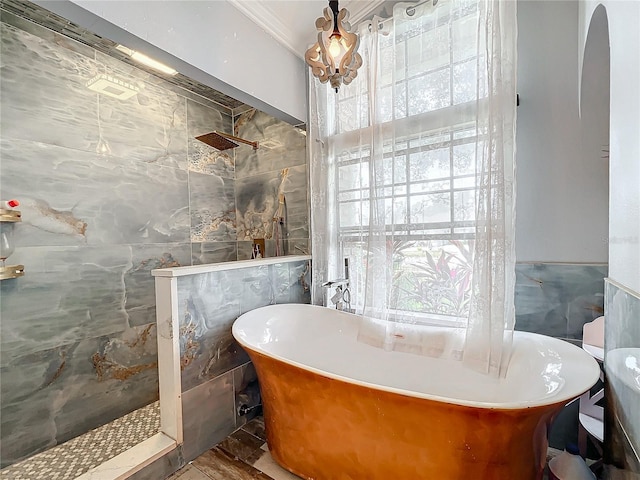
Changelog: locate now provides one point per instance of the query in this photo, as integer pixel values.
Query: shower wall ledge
(217, 267)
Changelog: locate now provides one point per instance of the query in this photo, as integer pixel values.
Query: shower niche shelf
(10, 215)
(10, 271)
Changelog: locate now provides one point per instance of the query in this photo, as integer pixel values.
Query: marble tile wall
(51, 395)
(277, 168)
(208, 415)
(216, 374)
(110, 189)
(558, 299)
(622, 388)
(208, 304)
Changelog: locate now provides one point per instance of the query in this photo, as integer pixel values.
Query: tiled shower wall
(279, 167)
(110, 190)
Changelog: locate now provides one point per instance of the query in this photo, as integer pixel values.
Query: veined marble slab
(214, 252)
(49, 92)
(257, 287)
(558, 299)
(71, 197)
(45, 34)
(622, 366)
(46, 395)
(280, 144)
(151, 126)
(296, 246)
(70, 293)
(73, 293)
(202, 157)
(257, 200)
(58, 39)
(140, 302)
(209, 303)
(300, 282)
(213, 214)
(44, 93)
(279, 282)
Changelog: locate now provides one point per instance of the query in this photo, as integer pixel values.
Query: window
(424, 182)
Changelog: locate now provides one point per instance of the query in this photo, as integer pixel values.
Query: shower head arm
(238, 139)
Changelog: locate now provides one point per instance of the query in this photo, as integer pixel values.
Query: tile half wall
(209, 374)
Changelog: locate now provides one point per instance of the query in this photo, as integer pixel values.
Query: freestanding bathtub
(335, 408)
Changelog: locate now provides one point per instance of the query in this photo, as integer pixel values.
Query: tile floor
(242, 456)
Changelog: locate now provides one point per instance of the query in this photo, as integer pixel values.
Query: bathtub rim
(525, 404)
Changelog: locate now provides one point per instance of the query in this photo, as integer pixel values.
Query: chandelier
(334, 57)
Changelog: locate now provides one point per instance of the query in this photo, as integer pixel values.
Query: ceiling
(292, 23)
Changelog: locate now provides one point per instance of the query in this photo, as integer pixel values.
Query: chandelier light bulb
(334, 46)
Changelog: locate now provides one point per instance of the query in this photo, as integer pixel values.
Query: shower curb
(132, 460)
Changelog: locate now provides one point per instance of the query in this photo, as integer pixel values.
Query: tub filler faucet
(341, 298)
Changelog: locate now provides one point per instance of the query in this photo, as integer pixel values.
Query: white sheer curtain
(412, 178)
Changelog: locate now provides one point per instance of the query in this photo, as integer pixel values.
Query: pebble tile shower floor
(81, 454)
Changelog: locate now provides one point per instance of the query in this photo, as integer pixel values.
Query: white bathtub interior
(542, 369)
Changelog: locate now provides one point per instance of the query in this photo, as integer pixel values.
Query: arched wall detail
(594, 122)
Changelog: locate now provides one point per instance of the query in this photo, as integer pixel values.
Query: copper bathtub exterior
(321, 427)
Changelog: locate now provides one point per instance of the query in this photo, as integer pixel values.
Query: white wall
(212, 36)
(562, 187)
(624, 211)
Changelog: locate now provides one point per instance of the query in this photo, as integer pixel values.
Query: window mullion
(451, 186)
(407, 180)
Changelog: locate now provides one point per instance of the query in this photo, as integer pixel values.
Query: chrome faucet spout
(336, 283)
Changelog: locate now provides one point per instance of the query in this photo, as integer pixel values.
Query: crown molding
(359, 10)
(262, 16)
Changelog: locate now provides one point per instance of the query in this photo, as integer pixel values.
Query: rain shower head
(217, 141)
(224, 141)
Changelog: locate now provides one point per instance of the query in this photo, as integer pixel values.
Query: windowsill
(425, 319)
(430, 319)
